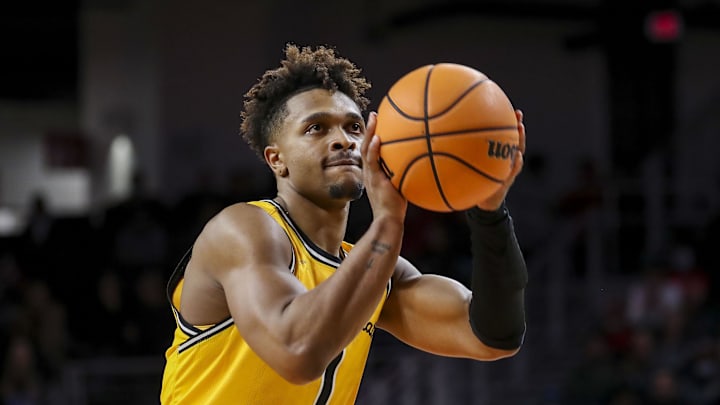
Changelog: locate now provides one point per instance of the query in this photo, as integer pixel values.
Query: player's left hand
(384, 198)
(495, 200)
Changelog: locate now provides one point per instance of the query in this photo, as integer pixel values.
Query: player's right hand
(384, 198)
(493, 202)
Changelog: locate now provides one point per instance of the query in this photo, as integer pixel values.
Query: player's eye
(356, 127)
(313, 128)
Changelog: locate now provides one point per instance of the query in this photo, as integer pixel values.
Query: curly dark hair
(302, 69)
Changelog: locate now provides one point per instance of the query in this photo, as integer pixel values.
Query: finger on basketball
(518, 162)
(369, 132)
(521, 130)
(372, 151)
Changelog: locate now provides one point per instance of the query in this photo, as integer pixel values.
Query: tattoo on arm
(377, 247)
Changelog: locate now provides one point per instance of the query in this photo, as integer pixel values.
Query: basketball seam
(457, 100)
(470, 166)
(426, 121)
(451, 156)
(450, 133)
(425, 116)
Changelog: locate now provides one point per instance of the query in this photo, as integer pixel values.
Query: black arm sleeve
(499, 276)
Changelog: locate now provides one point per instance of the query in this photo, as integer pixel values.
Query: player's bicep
(251, 258)
(257, 292)
(418, 301)
(431, 313)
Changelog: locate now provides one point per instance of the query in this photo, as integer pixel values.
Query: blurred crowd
(94, 287)
(657, 344)
(90, 286)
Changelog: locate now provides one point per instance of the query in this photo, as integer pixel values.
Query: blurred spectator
(673, 344)
(625, 396)
(702, 372)
(654, 297)
(150, 317)
(47, 328)
(136, 232)
(583, 198)
(20, 381)
(585, 194)
(438, 243)
(191, 213)
(530, 202)
(638, 363)
(10, 286)
(39, 222)
(141, 241)
(104, 326)
(35, 238)
(663, 389)
(251, 184)
(596, 378)
(691, 278)
(615, 328)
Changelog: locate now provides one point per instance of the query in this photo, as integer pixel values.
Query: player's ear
(274, 159)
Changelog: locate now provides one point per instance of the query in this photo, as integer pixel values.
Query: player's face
(320, 145)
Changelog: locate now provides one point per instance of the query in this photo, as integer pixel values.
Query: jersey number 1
(328, 380)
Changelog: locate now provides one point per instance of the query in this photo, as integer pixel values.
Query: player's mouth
(344, 161)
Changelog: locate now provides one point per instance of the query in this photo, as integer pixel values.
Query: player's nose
(342, 140)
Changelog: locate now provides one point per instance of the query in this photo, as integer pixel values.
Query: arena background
(119, 139)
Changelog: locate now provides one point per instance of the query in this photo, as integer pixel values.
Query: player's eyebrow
(322, 115)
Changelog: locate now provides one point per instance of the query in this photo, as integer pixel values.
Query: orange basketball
(448, 136)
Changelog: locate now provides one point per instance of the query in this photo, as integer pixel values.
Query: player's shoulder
(241, 237)
(241, 221)
(405, 271)
(239, 213)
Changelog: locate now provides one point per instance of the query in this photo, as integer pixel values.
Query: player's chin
(350, 190)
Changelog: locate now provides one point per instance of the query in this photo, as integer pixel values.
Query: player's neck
(325, 226)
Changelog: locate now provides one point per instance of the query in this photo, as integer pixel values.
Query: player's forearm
(497, 310)
(370, 266)
(335, 312)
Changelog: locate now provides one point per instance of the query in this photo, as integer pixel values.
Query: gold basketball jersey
(214, 365)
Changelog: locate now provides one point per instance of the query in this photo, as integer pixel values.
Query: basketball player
(273, 307)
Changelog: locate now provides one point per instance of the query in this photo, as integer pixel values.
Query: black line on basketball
(389, 173)
(407, 169)
(429, 141)
(470, 166)
(401, 112)
(450, 133)
(460, 97)
(457, 100)
(453, 157)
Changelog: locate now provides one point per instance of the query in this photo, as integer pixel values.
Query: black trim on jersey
(315, 251)
(207, 334)
(175, 278)
(195, 334)
(186, 327)
(177, 274)
(293, 260)
(327, 385)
